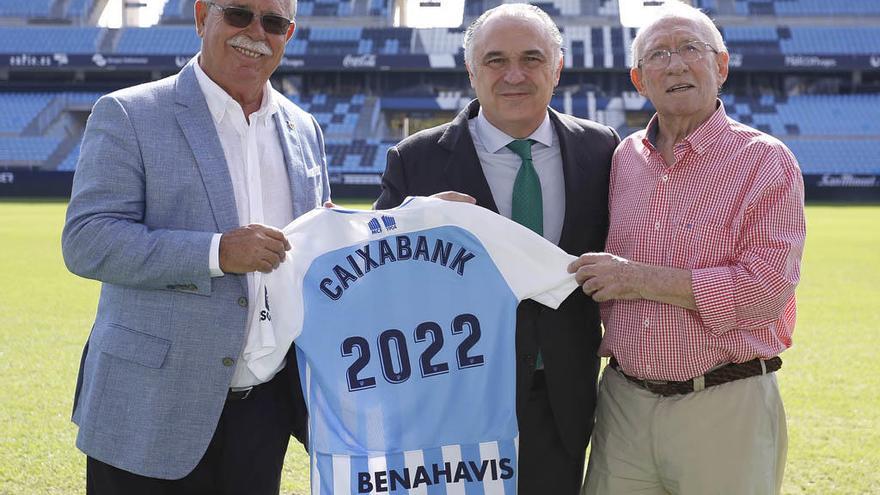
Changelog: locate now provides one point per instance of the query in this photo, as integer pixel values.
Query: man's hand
(604, 276)
(252, 248)
(455, 196)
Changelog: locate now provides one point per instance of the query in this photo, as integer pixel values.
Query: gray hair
(521, 10)
(673, 9)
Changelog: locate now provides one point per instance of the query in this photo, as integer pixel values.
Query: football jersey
(404, 324)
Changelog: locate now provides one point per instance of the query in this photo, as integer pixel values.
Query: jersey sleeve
(533, 267)
(316, 232)
(278, 316)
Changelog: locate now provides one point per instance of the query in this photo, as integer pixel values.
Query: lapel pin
(290, 125)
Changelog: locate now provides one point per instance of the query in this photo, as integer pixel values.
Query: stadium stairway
(370, 122)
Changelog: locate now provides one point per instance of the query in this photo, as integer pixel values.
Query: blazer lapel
(463, 169)
(293, 155)
(572, 173)
(195, 120)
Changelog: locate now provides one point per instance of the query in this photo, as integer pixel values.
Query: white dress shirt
(500, 166)
(262, 193)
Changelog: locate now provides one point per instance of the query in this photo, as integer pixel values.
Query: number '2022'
(399, 370)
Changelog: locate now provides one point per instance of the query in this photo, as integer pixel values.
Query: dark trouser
(545, 466)
(244, 457)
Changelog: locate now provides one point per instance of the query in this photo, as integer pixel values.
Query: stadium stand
(805, 71)
(50, 39)
(832, 40)
(807, 7)
(79, 9)
(69, 162)
(338, 117)
(177, 11)
(27, 151)
(836, 156)
(158, 40)
(587, 46)
(29, 8)
(818, 115)
(19, 110)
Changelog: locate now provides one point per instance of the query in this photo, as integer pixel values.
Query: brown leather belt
(724, 374)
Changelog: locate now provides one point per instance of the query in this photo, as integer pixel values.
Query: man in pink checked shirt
(697, 284)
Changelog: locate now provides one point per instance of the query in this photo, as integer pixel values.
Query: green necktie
(528, 206)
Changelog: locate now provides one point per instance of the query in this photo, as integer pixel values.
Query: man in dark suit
(548, 171)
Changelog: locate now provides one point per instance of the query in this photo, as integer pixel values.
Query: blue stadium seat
(855, 40)
(337, 115)
(177, 11)
(19, 109)
(79, 9)
(50, 39)
(750, 34)
(812, 115)
(807, 7)
(357, 156)
(28, 8)
(379, 7)
(15, 150)
(836, 156)
(158, 40)
(69, 163)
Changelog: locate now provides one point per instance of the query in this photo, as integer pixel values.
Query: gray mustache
(243, 41)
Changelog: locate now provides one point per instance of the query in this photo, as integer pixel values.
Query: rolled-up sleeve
(762, 280)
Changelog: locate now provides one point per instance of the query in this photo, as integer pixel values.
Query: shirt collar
(701, 138)
(495, 139)
(219, 101)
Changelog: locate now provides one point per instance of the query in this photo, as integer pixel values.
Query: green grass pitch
(830, 379)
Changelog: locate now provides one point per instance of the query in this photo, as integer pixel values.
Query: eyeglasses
(241, 18)
(689, 52)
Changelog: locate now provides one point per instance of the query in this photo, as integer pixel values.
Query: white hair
(521, 10)
(673, 9)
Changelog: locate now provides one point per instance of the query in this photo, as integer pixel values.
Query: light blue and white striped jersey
(404, 324)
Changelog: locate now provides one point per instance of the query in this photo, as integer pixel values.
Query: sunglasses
(241, 18)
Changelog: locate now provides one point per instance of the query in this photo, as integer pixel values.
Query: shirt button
(648, 368)
(657, 225)
(665, 177)
(242, 301)
(647, 322)
(228, 361)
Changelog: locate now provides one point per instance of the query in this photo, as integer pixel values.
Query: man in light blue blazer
(180, 190)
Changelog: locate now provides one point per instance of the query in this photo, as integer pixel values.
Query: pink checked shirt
(731, 211)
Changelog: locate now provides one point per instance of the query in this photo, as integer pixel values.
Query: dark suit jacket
(443, 158)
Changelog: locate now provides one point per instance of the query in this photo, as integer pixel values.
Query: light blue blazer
(150, 190)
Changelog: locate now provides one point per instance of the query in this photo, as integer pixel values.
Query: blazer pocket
(130, 345)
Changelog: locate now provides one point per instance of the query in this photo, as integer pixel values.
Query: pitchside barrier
(843, 188)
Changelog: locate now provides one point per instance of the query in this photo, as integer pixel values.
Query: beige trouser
(729, 439)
